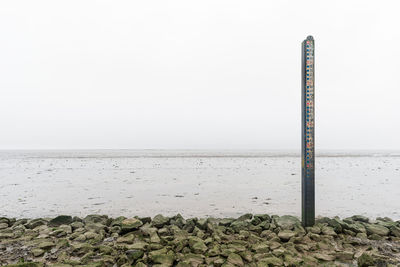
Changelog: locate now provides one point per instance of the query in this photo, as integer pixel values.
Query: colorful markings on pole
(309, 108)
(307, 132)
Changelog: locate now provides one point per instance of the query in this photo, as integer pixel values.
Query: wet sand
(192, 183)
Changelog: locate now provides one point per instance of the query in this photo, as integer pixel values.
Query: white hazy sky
(196, 74)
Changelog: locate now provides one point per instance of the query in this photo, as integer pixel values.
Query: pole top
(310, 38)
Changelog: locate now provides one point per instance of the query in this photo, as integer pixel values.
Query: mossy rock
(59, 220)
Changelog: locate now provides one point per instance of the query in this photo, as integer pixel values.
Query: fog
(196, 74)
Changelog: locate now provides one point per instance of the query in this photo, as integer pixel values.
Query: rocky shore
(250, 240)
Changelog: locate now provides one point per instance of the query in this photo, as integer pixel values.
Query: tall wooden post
(307, 133)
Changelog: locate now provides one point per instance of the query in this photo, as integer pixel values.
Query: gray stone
(270, 261)
(36, 252)
(46, 245)
(32, 224)
(247, 216)
(324, 256)
(235, 259)
(377, 229)
(94, 218)
(365, 260)
(59, 220)
(134, 254)
(285, 235)
(287, 222)
(395, 231)
(129, 225)
(360, 218)
(159, 221)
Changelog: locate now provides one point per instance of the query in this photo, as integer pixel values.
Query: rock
(26, 264)
(81, 249)
(59, 220)
(62, 243)
(384, 219)
(76, 225)
(344, 255)
(356, 228)
(278, 252)
(3, 225)
(190, 225)
(193, 259)
(117, 221)
(314, 229)
(154, 238)
(377, 229)
(94, 218)
(134, 254)
(235, 259)
(138, 245)
(260, 248)
(6, 235)
(36, 252)
(32, 224)
(159, 221)
(66, 228)
(264, 225)
(46, 245)
(285, 235)
(287, 222)
(129, 225)
(5, 220)
(95, 227)
(365, 260)
(202, 224)
(80, 238)
(360, 218)
(395, 231)
(105, 250)
(326, 230)
(324, 257)
(239, 225)
(362, 235)
(291, 261)
(178, 220)
(263, 217)
(197, 245)
(162, 257)
(375, 237)
(309, 261)
(244, 217)
(274, 245)
(246, 255)
(270, 261)
(92, 235)
(225, 221)
(58, 233)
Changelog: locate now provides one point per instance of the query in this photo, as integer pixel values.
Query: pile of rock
(259, 240)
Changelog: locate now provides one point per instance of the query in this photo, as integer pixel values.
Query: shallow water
(194, 183)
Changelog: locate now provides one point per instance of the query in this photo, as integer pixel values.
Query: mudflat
(194, 183)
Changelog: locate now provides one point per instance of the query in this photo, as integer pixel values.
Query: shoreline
(249, 240)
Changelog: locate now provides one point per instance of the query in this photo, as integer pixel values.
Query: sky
(196, 74)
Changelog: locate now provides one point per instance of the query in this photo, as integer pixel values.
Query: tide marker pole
(307, 133)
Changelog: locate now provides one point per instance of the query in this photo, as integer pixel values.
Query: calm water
(194, 183)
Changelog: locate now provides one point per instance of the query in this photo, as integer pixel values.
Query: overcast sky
(196, 74)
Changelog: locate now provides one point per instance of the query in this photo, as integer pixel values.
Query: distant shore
(250, 240)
